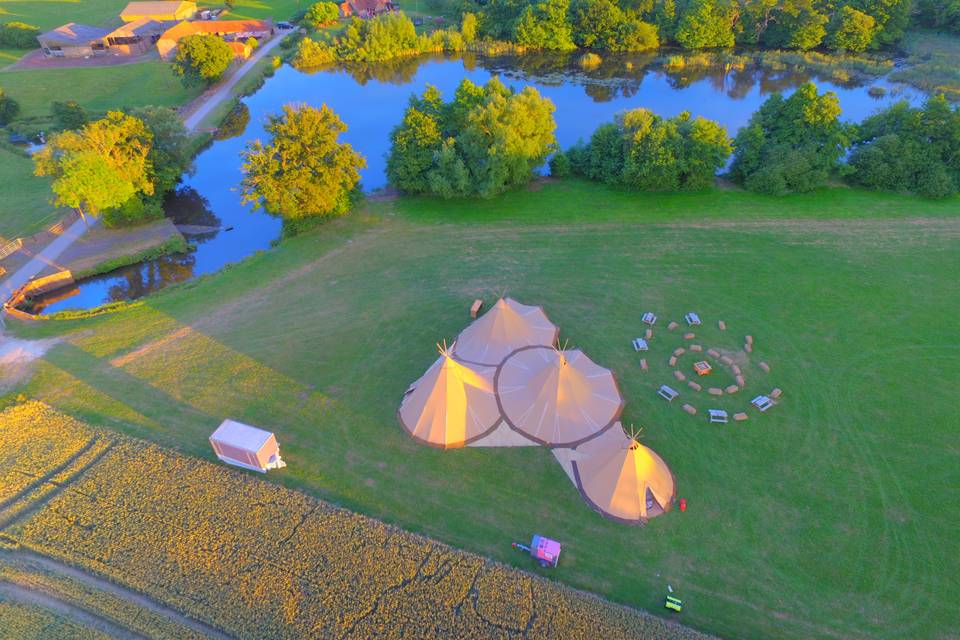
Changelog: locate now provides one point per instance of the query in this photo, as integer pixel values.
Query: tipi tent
(621, 478)
(557, 398)
(451, 405)
(506, 327)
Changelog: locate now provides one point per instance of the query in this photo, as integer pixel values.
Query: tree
(69, 114)
(468, 27)
(602, 24)
(321, 14)
(707, 24)
(9, 108)
(303, 171)
(939, 14)
(791, 144)
(488, 139)
(907, 149)
(170, 152)
(18, 35)
(202, 59)
(103, 165)
(545, 26)
(852, 30)
(643, 151)
(795, 24)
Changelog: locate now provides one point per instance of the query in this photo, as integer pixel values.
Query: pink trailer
(245, 446)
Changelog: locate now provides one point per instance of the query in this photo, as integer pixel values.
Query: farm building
(506, 327)
(74, 40)
(159, 11)
(135, 37)
(245, 446)
(366, 8)
(451, 405)
(621, 478)
(229, 30)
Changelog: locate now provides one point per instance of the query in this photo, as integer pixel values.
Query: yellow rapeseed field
(260, 561)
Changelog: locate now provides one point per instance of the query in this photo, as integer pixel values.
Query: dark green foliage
(707, 24)
(560, 166)
(643, 151)
(170, 154)
(545, 25)
(939, 14)
(69, 114)
(602, 24)
(137, 210)
(9, 108)
(910, 149)
(852, 30)
(487, 140)
(201, 59)
(18, 35)
(792, 144)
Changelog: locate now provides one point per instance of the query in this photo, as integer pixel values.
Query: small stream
(372, 99)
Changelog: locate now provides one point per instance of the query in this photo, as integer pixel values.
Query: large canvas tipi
(558, 398)
(451, 405)
(506, 327)
(621, 478)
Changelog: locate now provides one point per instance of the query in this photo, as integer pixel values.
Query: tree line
(489, 139)
(491, 26)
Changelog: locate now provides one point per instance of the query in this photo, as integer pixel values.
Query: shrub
(312, 54)
(134, 211)
(560, 166)
(643, 151)
(321, 14)
(792, 144)
(9, 108)
(903, 148)
(202, 59)
(69, 114)
(234, 123)
(590, 60)
(18, 35)
(487, 140)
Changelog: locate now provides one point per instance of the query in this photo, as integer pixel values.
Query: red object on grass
(683, 504)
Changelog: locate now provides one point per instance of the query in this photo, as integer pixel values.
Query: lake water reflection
(371, 100)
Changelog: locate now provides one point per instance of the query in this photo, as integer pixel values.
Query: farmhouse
(233, 31)
(74, 40)
(366, 8)
(159, 11)
(135, 37)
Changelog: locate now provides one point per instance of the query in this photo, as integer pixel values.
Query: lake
(371, 100)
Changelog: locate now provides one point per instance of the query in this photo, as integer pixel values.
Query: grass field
(24, 205)
(250, 558)
(829, 516)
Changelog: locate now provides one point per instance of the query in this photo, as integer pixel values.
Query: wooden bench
(667, 393)
(762, 402)
(718, 415)
(475, 308)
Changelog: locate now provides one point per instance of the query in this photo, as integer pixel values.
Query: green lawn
(97, 89)
(832, 515)
(24, 198)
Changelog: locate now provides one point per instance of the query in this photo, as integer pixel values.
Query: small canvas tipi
(557, 398)
(506, 327)
(621, 478)
(451, 405)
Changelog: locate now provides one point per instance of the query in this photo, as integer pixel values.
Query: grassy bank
(176, 244)
(24, 198)
(840, 494)
(933, 63)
